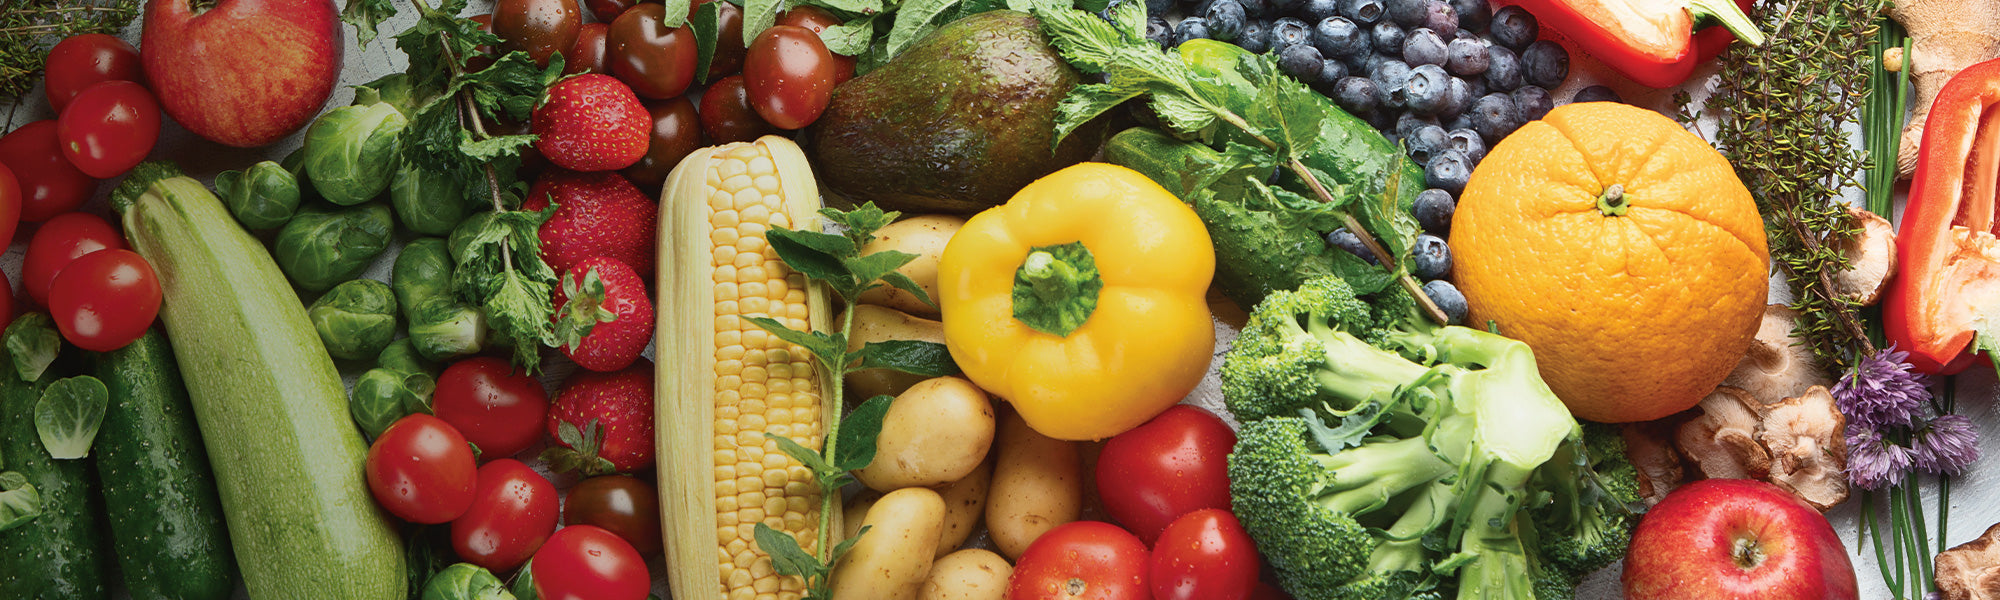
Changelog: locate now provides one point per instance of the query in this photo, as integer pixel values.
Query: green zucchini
(159, 498)
(272, 411)
(58, 555)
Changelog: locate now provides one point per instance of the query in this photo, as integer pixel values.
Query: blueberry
(1462, 121)
(1255, 37)
(1159, 32)
(1545, 64)
(1439, 17)
(1429, 90)
(1382, 120)
(1449, 299)
(1346, 240)
(1257, 9)
(1286, 7)
(1433, 257)
(1302, 62)
(1596, 93)
(1365, 12)
(1433, 210)
(1474, 15)
(1532, 102)
(1355, 94)
(1503, 70)
(1331, 70)
(1390, 77)
(1448, 171)
(1468, 142)
(1191, 28)
(1407, 125)
(1466, 57)
(1425, 142)
(1478, 85)
(1407, 13)
(1457, 98)
(1225, 19)
(1338, 37)
(1424, 47)
(1388, 37)
(1159, 7)
(1514, 27)
(1494, 116)
(1289, 31)
(1314, 11)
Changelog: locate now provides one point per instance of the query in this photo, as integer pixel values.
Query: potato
(970, 574)
(935, 433)
(880, 324)
(1037, 485)
(891, 560)
(924, 236)
(964, 506)
(856, 511)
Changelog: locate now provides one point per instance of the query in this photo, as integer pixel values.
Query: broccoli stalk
(1382, 457)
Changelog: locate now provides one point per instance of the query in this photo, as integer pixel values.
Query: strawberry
(604, 421)
(592, 123)
(597, 214)
(603, 319)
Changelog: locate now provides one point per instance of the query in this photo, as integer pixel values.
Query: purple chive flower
(1946, 446)
(1874, 462)
(1882, 391)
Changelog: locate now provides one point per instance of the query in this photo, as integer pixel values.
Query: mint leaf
(366, 16)
(929, 359)
(511, 87)
(19, 501)
(33, 342)
(858, 432)
(68, 415)
(707, 26)
(499, 267)
(1085, 103)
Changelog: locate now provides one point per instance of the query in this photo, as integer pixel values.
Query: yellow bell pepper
(1082, 301)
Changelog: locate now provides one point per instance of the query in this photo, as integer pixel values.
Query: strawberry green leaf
(584, 310)
(32, 341)
(858, 432)
(583, 451)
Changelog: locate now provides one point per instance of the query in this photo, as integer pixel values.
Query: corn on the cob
(723, 382)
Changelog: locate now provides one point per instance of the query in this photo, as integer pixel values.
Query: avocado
(957, 123)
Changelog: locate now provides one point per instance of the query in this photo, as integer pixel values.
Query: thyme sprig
(29, 27)
(1782, 110)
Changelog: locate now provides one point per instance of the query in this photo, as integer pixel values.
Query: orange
(1620, 247)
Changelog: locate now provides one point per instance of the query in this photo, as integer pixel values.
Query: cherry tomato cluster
(503, 514)
(1167, 482)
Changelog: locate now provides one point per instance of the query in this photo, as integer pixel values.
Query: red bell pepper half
(1945, 299)
(1650, 41)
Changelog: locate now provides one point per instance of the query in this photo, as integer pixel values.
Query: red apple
(245, 72)
(1723, 539)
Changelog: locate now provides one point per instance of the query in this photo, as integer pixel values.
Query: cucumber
(57, 556)
(159, 498)
(272, 411)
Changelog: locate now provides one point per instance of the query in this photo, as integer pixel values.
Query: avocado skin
(958, 123)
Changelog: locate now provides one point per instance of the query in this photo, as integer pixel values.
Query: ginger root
(1946, 37)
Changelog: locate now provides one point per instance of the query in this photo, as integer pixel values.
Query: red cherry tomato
(1204, 555)
(498, 408)
(584, 562)
(1082, 560)
(109, 127)
(421, 470)
(512, 513)
(10, 204)
(104, 300)
(60, 241)
(622, 504)
(50, 185)
(1172, 465)
(789, 76)
(6, 302)
(726, 115)
(817, 19)
(81, 60)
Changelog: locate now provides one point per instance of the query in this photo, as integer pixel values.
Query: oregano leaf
(928, 359)
(858, 432)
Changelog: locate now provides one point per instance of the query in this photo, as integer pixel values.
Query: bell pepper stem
(1730, 16)
(1612, 202)
(1053, 280)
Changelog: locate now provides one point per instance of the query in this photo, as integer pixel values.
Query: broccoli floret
(1384, 457)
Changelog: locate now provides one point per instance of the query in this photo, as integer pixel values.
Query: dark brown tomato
(726, 115)
(607, 11)
(588, 55)
(729, 48)
(789, 75)
(817, 20)
(539, 27)
(622, 504)
(656, 60)
(676, 133)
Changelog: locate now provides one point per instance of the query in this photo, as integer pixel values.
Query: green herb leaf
(829, 348)
(707, 26)
(19, 501)
(33, 342)
(861, 223)
(929, 359)
(786, 555)
(500, 267)
(1085, 103)
(68, 415)
(913, 20)
(857, 7)
(845, 545)
(858, 432)
(850, 38)
(759, 15)
(903, 282)
(801, 250)
(873, 267)
(806, 456)
(365, 16)
(677, 13)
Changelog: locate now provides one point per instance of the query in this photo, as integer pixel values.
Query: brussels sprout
(356, 319)
(350, 152)
(295, 163)
(319, 248)
(392, 89)
(261, 197)
(441, 326)
(400, 385)
(428, 202)
(464, 581)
